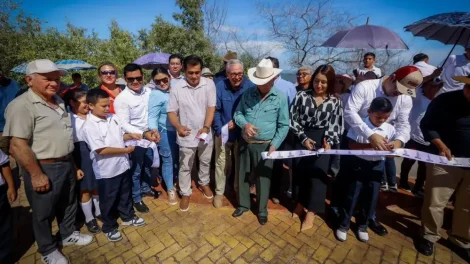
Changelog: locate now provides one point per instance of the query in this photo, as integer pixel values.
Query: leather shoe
(377, 228)
(238, 212)
(425, 247)
(262, 219)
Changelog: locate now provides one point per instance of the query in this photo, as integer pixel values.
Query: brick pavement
(208, 235)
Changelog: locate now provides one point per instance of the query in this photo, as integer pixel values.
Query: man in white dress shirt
(421, 61)
(456, 65)
(131, 106)
(398, 88)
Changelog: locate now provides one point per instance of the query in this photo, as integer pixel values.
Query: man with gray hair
(228, 96)
(40, 129)
(304, 75)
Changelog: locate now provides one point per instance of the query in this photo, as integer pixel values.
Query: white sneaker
(114, 236)
(55, 257)
(77, 239)
(363, 236)
(341, 235)
(136, 221)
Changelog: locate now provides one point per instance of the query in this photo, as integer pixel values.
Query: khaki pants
(441, 183)
(187, 156)
(223, 164)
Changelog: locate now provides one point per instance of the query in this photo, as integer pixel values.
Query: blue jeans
(170, 153)
(141, 171)
(390, 174)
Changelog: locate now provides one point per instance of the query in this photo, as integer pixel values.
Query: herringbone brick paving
(208, 235)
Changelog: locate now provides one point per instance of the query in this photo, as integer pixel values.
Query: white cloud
(229, 29)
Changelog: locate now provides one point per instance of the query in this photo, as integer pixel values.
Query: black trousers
(277, 179)
(115, 198)
(408, 163)
(309, 177)
(6, 225)
(362, 189)
(59, 202)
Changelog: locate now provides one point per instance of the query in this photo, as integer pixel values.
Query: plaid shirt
(306, 114)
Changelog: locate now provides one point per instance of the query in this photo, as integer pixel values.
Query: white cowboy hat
(263, 72)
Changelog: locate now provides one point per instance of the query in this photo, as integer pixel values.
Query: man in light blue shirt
(8, 90)
(263, 116)
(285, 87)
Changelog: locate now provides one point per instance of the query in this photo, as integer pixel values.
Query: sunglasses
(133, 79)
(301, 74)
(164, 80)
(108, 72)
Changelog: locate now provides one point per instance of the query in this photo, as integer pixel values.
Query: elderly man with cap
(222, 75)
(446, 125)
(41, 141)
(263, 116)
(399, 88)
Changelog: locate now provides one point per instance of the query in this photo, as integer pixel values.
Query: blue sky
(134, 15)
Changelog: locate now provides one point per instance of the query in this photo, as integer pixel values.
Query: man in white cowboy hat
(40, 129)
(263, 116)
(446, 125)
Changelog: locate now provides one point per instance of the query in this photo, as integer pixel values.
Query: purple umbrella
(153, 60)
(366, 37)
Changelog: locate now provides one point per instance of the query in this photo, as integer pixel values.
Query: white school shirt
(77, 125)
(425, 68)
(374, 69)
(100, 133)
(3, 160)
(359, 102)
(132, 110)
(420, 105)
(456, 65)
(385, 130)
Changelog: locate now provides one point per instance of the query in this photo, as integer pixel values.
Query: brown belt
(54, 160)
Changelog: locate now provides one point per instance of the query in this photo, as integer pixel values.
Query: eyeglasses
(108, 72)
(133, 79)
(233, 75)
(164, 80)
(302, 74)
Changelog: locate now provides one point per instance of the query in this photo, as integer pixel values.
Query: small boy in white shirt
(103, 133)
(362, 185)
(7, 195)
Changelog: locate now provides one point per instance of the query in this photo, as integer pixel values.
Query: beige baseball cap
(43, 66)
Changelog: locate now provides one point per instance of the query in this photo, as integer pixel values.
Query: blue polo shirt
(227, 101)
(7, 94)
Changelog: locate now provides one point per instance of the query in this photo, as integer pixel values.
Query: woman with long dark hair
(317, 122)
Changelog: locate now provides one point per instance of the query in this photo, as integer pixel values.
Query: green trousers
(251, 162)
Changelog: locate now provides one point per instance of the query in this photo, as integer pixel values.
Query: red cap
(408, 78)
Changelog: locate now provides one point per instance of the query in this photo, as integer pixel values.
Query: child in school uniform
(76, 101)
(103, 133)
(7, 195)
(362, 185)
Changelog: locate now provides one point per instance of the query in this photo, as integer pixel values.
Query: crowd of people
(108, 141)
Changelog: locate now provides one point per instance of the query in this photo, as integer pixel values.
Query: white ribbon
(402, 152)
(224, 134)
(144, 143)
